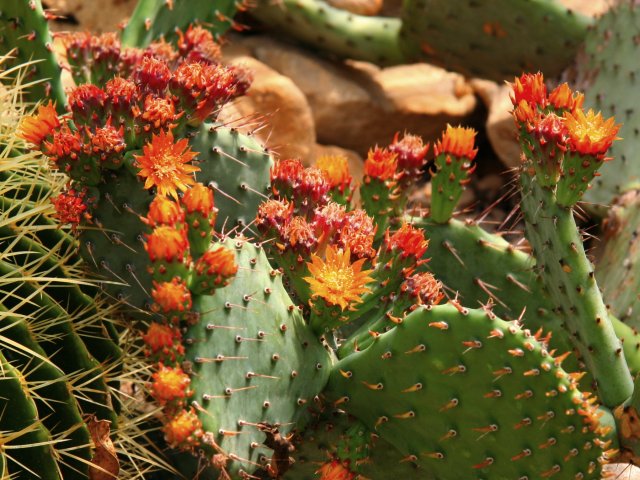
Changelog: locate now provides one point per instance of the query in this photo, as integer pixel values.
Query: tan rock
(588, 7)
(501, 129)
(274, 109)
(358, 105)
(360, 7)
(98, 17)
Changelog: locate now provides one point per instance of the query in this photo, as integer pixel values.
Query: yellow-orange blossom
(163, 164)
(337, 280)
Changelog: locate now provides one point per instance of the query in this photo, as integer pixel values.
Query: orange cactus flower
(358, 233)
(409, 240)
(219, 263)
(198, 198)
(273, 214)
(336, 170)
(160, 336)
(381, 164)
(164, 340)
(525, 114)
(169, 384)
(298, 232)
(167, 243)
(411, 151)
(159, 112)
(562, 97)
(335, 470)
(173, 296)
(35, 128)
(531, 88)
(152, 73)
(337, 280)
(197, 44)
(590, 134)
(164, 164)
(121, 94)
(458, 141)
(163, 211)
(183, 430)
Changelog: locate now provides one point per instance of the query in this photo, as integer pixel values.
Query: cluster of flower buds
(389, 175)
(327, 248)
(183, 263)
(563, 145)
(303, 221)
(132, 99)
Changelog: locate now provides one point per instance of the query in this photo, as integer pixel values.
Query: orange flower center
(164, 164)
(169, 384)
(173, 296)
(337, 280)
(183, 430)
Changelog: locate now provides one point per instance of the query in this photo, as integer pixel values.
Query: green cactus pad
(153, 19)
(325, 439)
(237, 166)
(609, 76)
(26, 445)
(495, 39)
(233, 163)
(570, 280)
(254, 362)
(23, 26)
(469, 396)
(617, 269)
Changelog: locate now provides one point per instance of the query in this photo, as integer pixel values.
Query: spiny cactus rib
(487, 38)
(256, 366)
(23, 27)
(154, 19)
(25, 443)
(571, 283)
(56, 406)
(466, 381)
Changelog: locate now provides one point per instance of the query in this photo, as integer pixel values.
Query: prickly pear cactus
(491, 39)
(24, 35)
(466, 381)
(608, 77)
(256, 366)
(617, 270)
(155, 19)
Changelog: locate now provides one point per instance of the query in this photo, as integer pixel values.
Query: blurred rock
(501, 129)
(360, 7)
(359, 105)
(274, 103)
(102, 16)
